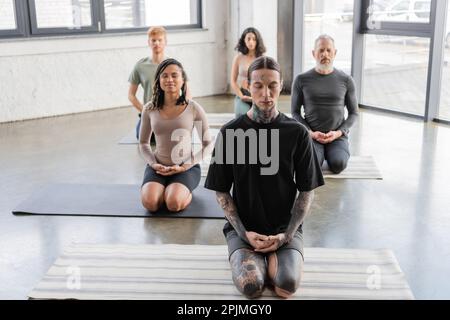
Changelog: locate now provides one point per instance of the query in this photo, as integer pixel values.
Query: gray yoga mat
(110, 200)
(130, 138)
(359, 167)
(196, 272)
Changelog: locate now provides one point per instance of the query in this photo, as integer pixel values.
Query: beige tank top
(242, 75)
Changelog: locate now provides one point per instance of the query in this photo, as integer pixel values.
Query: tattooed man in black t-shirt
(266, 158)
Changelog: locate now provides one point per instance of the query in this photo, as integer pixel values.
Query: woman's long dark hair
(158, 93)
(260, 48)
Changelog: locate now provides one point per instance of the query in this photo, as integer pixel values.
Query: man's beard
(325, 67)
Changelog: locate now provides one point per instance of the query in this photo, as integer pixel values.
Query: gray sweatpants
(336, 153)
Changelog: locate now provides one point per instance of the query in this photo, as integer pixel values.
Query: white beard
(325, 67)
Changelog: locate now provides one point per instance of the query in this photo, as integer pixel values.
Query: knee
(152, 204)
(286, 285)
(337, 165)
(174, 204)
(254, 288)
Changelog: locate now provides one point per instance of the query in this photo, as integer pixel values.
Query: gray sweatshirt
(324, 98)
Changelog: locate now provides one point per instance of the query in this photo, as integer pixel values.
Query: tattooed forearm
(299, 212)
(227, 204)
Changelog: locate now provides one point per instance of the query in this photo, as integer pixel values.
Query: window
(56, 17)
(12, 23)
(334, 18)
(399, 11)
(395, 73)
(422, 10)
(397, 17)
(412, 11)
(71, 14)
(143, 13)
(7, 15)
(444, 110)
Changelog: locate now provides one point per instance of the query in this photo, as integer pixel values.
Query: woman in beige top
(250, 47)
(173, 170)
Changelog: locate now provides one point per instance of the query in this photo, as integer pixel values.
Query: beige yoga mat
(203, 272)
(358, 168)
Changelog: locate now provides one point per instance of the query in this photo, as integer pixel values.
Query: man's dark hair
(264, 63)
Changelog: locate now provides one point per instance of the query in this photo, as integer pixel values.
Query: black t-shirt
(264, 202)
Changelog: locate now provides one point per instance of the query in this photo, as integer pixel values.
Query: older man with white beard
(325, 92)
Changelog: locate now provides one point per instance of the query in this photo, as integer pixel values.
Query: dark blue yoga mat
(110, 200)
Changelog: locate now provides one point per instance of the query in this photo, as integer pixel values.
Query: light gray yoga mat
(110, 200)
(203, 272)
(358, 168)
(130, 138)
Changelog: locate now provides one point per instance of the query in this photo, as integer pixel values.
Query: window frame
(408, 29)
(26, 21)
(433, 31)
(197, 25)
(35, 30)
(20, 19)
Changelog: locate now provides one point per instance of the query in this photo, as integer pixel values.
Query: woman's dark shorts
(189, 178)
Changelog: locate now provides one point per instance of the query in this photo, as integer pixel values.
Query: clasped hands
(326, 138)
(265, 244)
(167, 170)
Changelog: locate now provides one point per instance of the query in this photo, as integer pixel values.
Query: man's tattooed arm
(226, 202)
(300, 210)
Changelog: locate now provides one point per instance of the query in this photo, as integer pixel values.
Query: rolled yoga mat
(110, 200)
(203, 272)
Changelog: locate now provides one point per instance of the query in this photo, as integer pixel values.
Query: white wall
(260, 14)
(55, 76)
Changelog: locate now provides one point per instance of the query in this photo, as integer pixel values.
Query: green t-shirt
(144, 74)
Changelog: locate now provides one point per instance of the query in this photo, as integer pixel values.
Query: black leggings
(336, 153)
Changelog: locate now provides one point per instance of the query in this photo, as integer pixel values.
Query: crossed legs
(176, 196)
